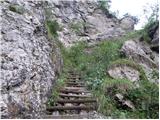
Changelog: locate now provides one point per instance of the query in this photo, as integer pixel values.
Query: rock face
(121, 72)
(86, 21)
(127, 23)
(154, 35)
(142, 54)
(139, 53)
(27, 70)
(123, 102)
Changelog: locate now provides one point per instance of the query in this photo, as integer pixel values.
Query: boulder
(141, 54)
(123, 102)
(128, 104)
(127, 23)
(124, 71)
(119, 97)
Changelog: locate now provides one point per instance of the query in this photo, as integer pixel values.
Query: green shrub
(77, 27)
(52, 28)
(145, 30)
(104, 4)
(146, 99)
(55, 91)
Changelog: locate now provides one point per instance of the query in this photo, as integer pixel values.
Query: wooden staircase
(74, 100)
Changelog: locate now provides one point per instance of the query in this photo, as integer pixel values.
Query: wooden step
(71, 91)
(73, 80)
(73, 116)
(74, 96)
(76, 101)
(75, 83)
(74, 77)
(74, 88)
(58, 108)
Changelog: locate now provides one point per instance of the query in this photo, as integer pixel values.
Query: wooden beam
(74, 88)
(75, 83)
(55, 108)
(73, 116)
(71, 91)
(76, 96)
(77, 101)
(73, 77)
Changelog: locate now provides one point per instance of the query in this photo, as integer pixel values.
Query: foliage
(145, 98)
(17, 9)
(52, 27)
(54, 96)
(113, 86)
(154, 9)
(145, 31)
(152, 19)
(104, 4)
(155, 74)
(77, 27)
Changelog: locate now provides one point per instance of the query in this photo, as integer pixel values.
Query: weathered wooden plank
(71, 91)
(56, 108)
(75, 83)
(73, 116)
(76, 96)
(76, 101)
(74, 88)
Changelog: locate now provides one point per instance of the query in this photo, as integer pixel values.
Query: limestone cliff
(86, 21)
(27, 70)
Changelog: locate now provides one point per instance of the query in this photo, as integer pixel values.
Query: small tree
(154, 10)
(104, 4)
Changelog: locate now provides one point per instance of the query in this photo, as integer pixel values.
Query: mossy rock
(17, 9)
